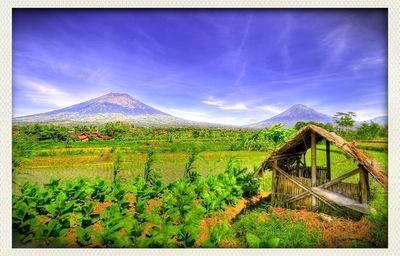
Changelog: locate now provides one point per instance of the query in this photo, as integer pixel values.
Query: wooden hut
(299, 185)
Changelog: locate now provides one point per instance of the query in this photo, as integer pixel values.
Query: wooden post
(328, 160)
(313, 166)
(273, 179)
(364, 185)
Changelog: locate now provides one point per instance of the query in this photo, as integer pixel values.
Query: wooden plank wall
(286, 189)
(349, 190)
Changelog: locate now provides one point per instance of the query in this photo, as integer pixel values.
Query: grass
(96, 158)
(341, 163)
(289, 232)
(172, 164)
(140, 145)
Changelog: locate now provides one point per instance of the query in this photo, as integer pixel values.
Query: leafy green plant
(53, 228)
(83, 235)
(148, 166)
(22, 147)
(255, 242)
(217, 233)
(85, 216)
(189, 229)
(379, 217)
(275, 231)
(117, 167)
(77, 190)
(99, 190)
(190, 172)
(117, 195)
(265, 139)
(23, 219)
(249, 185)
(160, 237)
(112, 223)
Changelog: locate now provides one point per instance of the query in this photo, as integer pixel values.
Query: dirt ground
(336, 232)
(230, 213)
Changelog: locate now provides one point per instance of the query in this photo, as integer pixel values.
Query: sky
(227, 66)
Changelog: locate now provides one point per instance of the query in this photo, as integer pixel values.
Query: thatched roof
(301, 141)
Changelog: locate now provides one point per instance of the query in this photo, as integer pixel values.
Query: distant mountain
(123, 107)
(382, 120)
(110, 103)
(293, 115)
(109, 108)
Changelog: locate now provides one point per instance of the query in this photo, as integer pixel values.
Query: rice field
(92, 159)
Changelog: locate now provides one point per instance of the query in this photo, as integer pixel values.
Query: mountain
(382, 120)
(293, 115)
(110, 103)
(123, 107)
(109, 108)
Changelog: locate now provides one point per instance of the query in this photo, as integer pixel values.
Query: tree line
(345, 125)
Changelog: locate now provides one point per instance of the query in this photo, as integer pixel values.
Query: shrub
(274, 231)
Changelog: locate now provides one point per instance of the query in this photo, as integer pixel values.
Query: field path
(230, 213)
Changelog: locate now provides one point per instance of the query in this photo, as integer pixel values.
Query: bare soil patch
(339, 232)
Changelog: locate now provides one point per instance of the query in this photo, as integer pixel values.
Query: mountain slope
(109, 103)
(293, 115)
(382, 120)
(108, 108)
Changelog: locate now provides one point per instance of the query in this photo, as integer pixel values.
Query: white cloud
(368, 115)
(224, 106)
(179, 113)
(45, 95)
(271, 108)
(335, 43)
(367, 62)
(198, 116)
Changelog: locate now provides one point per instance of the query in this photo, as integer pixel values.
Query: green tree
(344, 120)
(116, 129)
(300, 124)
(326, 126)
(370, 130)
(195, 133)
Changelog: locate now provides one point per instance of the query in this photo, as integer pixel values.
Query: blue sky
(223, 66)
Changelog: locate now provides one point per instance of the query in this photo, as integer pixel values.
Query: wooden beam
(325, 185)
(328, 159)
(313, 166)
(274, 179)
(306, 188)
(285, 155)
(343, 200)
(364, 185)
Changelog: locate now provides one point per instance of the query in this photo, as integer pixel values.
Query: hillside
(109, 108)
(293, 115)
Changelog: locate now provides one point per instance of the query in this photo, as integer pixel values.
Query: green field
(89, 164)
(96, 158)
(216, 189)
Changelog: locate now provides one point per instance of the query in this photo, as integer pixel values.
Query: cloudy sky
(223, 66)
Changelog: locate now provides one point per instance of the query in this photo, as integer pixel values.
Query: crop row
(145, 212)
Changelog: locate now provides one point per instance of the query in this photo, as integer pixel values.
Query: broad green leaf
(252, 240)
